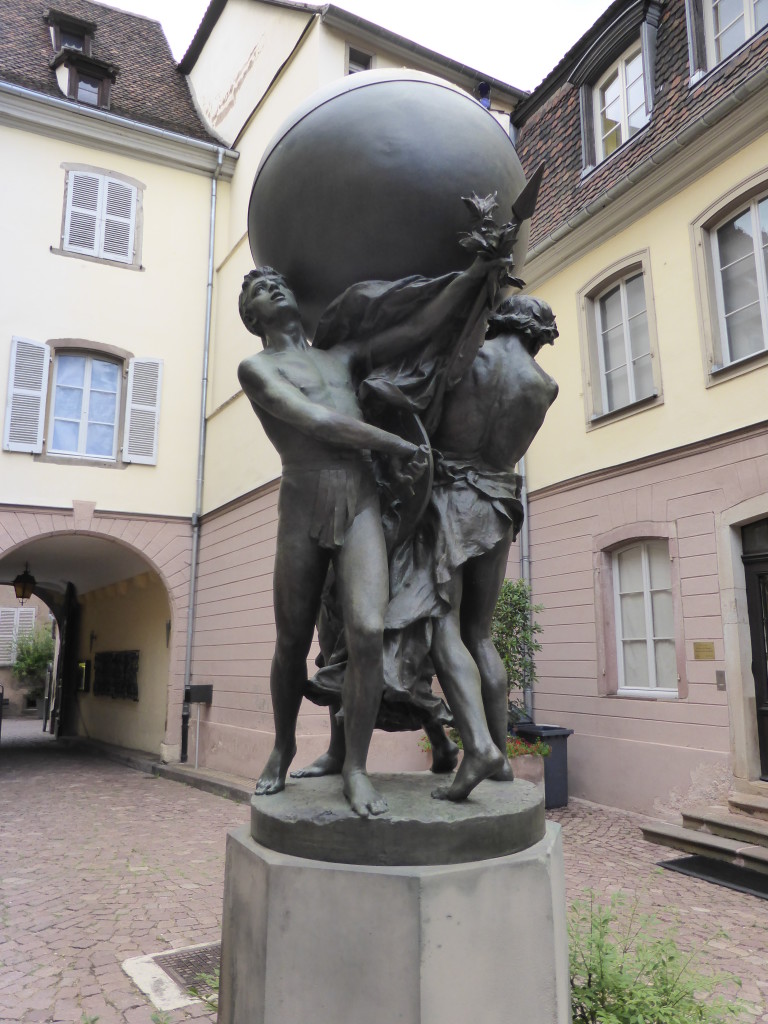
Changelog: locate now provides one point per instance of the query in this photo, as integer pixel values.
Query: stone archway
(95, 551)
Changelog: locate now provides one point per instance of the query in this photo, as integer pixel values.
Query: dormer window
(718, 28)
(616, 77)
(619, 103)
(88, 89)
(82, 78)
(357, 60)
(75, 40)
(70, 32)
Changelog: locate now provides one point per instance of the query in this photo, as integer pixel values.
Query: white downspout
(525, 566)
(185, 713)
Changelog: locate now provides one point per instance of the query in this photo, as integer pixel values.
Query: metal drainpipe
(525, 566)
(185, 710)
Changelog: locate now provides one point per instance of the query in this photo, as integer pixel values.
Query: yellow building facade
(107, 195)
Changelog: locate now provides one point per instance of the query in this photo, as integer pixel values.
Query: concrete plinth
(312, 942)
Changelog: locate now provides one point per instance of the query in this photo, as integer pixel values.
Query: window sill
(79, 460)
(646, 694)
(718, 374)
(95, 259)
(602, 419)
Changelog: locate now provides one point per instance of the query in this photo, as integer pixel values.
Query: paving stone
(72, 909)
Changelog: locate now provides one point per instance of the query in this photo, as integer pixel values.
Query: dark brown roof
(552, 127)
(149, 86)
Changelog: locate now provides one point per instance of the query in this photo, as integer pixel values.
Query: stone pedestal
(309, 941)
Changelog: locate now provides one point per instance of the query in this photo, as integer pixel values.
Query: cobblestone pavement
(100, 863)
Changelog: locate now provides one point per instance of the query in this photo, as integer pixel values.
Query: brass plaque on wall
(703, 650)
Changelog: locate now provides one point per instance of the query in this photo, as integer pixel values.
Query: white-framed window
(619, 347)
(644, 618)
(729, 23)
(619, 103)
(13, 623)
(623, 344)
(740, 271)
(90, 395)
(100, 217)
(85, 405)
(358, 60)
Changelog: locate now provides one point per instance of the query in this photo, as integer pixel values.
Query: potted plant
(514, 631)
(34, 653)
(527, 756)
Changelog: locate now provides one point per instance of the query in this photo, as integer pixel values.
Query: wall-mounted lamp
(24, 584)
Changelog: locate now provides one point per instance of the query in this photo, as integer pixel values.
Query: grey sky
(518, 41)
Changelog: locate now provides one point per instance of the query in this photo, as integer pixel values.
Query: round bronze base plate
(312, 819)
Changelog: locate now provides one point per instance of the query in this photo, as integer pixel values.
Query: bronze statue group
(399, 429)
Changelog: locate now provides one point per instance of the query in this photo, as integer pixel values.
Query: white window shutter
(142, 411)
(119, 216)
(27, 387)
(82, 222)
(7, 634)
(26, 621)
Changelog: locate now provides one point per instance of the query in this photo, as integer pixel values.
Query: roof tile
(149, 88)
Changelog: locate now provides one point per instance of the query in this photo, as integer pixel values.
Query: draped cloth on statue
(440, 352)
(469, 510)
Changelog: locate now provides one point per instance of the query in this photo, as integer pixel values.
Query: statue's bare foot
(445, 757)
(474, 768)
(362, 797)
(504, 774)
(272, 779)
(326, 764)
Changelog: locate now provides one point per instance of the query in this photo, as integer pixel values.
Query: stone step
(704, 844)
(719, 821)
(749, 803)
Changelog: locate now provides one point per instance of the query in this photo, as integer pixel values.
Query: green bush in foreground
(626, 968)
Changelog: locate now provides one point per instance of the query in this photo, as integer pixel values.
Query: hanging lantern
(24, 584)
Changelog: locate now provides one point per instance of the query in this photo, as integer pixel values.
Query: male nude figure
(328, 507)
(488, 422)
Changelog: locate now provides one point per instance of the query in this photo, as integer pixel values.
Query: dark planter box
(556, 765)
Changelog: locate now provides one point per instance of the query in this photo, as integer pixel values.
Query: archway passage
(755, 547)
(114, 622)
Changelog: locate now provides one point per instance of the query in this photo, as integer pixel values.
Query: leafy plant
(626, 968)
(518, 747)
(208, 989)
(34, 650)
(514, 631)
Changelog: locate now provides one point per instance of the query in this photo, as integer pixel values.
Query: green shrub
(626, 968)
(34, 650)
(514, 631)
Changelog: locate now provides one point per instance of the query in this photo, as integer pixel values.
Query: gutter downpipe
(525, 567)
(185, 710)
